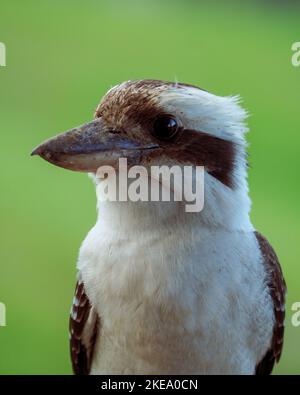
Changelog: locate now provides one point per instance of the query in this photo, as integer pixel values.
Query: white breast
(176, 300)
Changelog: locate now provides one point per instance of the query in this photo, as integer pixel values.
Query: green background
(61, 58)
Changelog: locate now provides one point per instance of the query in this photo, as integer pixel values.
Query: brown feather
(277, 288)
(81, 354)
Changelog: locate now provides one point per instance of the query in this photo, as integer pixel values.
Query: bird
(160, 290)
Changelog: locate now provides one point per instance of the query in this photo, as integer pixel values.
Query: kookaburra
(160, 290)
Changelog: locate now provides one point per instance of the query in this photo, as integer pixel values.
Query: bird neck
(151, 216)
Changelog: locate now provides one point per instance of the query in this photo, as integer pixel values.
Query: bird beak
(90, 146)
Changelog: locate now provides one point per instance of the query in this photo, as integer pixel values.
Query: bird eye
(165, 128)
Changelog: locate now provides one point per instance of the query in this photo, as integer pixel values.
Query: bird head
(153, 122)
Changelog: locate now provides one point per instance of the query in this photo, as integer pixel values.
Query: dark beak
(90, 146)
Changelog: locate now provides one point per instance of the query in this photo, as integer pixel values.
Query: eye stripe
(203, 149)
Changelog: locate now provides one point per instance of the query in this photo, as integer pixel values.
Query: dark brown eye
(165, 128)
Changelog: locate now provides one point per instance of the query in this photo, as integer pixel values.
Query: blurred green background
(61, 58)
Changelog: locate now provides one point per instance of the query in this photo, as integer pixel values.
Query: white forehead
(203, 111)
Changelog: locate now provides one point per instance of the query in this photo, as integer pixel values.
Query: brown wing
(277, 287)
(83, 331)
